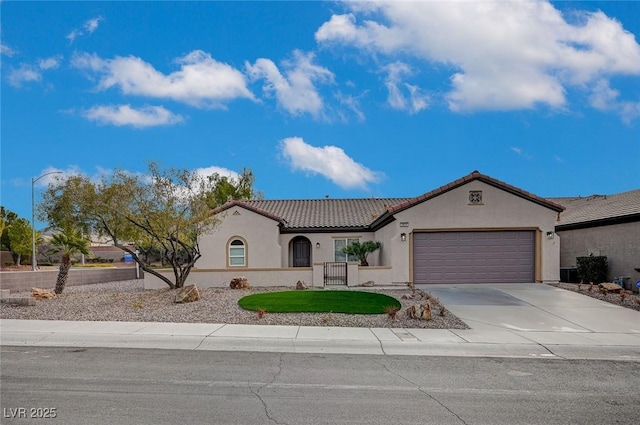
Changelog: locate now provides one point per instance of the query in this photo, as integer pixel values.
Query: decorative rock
(239, 282)
(40, 294)
(368, 284)
(425, 313)
(188, 294)
(609, 287)
(301, 285)
(412, 312)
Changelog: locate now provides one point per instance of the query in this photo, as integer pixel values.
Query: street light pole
(34, 261)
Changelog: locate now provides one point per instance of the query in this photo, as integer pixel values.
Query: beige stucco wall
(325, 252)
(220, 278)
(260, 233)
(500, 211)
(619, 242)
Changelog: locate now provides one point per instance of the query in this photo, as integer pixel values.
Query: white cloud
(89, 27)
(121, 115)
(329, 161)
(51, 174)
(416, 100)
(32, 73)
(24, 74)
(352, 103)
(92, 24)
(295, 90)
(503, 55)
(221, 171)
(521, 152)
(6, 50)
(201, 81)
(604, 98)
(50, 63)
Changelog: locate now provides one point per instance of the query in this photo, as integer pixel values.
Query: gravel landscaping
(631, 301)
(129, 301)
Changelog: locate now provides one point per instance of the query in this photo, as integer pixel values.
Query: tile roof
(363, 213)
(320, 213)
(599, 207)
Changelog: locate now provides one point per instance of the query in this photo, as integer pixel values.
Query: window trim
(348, 259)
(245, 255)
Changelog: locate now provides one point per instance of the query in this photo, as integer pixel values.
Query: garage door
(474, 257)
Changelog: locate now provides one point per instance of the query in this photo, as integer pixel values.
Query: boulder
(188, 294)
(368, 284)
(412, 312)
(609, 287)
(425, 312)
(239, 282)
(40, 294)
(301, 285)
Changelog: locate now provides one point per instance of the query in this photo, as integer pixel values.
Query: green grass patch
(350, 302)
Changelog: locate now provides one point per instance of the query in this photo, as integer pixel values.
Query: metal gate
(335, 274)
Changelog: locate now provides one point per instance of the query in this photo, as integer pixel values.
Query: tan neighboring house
(602, 225)
(473, 230)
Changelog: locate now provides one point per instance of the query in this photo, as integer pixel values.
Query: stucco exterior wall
(325, 252)
(220, 278)
(260, 233)
(619, 242)
(500, 210)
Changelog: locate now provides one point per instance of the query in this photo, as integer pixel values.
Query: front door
(301, 252)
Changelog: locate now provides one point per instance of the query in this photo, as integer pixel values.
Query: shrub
(592, 268)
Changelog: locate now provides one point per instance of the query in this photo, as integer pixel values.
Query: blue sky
(339, 99)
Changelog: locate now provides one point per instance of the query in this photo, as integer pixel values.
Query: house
(476, 229)
(606, 225)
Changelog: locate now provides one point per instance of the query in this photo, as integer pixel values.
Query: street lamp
(34, 261)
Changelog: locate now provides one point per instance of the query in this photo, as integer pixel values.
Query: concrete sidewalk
(506, 321)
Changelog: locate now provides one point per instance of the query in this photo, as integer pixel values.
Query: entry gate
(335, 274)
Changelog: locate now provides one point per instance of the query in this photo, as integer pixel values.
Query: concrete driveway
(538, 313)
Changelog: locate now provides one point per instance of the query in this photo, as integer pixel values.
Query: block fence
(46, 279)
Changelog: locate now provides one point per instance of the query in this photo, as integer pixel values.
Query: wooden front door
(301, 252)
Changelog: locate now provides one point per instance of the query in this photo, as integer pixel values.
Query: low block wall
(218, 278)
(312, 276)
(46, 279)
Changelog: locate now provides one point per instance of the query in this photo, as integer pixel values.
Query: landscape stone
(301, 285)
(239, 282)
(609, 287)
(188, 294)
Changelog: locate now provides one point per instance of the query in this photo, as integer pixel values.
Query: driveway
(539, 313)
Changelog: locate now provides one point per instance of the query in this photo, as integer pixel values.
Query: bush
(592, 268)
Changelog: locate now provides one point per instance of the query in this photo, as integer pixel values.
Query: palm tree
(68, 242)
(361, 250)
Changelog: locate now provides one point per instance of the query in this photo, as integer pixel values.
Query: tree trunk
(19, 260)
(63, 274)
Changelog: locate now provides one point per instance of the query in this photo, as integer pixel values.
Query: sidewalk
(519, 320)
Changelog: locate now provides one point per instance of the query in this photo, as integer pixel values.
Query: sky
(339, 99)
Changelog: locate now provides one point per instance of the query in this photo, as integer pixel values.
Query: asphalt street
(150, 386)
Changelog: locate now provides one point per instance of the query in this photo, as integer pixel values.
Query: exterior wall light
(317, 245)
(403, 237)
(550, 235)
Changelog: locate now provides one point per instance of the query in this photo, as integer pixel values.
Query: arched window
(237, 253)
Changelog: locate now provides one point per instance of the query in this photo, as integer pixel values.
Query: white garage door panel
(474, 257)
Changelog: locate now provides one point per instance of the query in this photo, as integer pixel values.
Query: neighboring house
(602, 225)
(473, 230)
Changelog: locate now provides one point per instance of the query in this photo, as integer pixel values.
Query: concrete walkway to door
(549, 316)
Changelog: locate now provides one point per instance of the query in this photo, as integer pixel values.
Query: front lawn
(349, 302)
